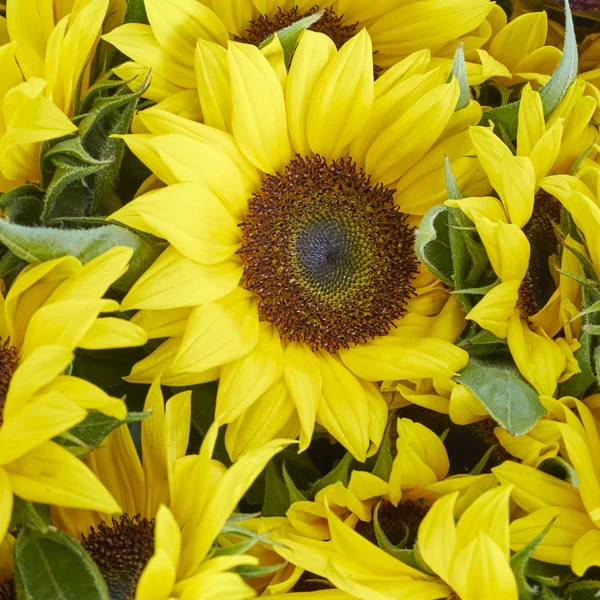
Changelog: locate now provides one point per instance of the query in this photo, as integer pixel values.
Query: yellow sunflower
(468, 560)
(574, 537)
(291, 273)
(168, 44)
(532, 303)
(173, 508)
(51, 309)
(45, 49)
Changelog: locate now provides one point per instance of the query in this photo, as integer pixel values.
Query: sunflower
(51, 309)
(574, 536)
(532, 303)
(450, 555)
(42, 59)
(173, 508)
(291, 273)
(168, 44)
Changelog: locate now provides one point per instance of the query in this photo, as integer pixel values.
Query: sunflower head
(121, 550)
(9, 360)
(328, 254)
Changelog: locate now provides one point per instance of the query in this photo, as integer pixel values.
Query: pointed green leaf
(383, 465)
(459, 70)
(250, 572)
(341, 472)
(295, 494)
(520, 561)
(51, 565)
(452, 190)
(277, 496)
(288, 36)
(508, 398)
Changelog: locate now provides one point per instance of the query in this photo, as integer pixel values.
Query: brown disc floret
(328, 254)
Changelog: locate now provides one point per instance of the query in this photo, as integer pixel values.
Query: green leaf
(277, 496)
(96, 426)
(459, 70)
(511, 402)
(10, 265)
(595, 307)
(559, 467)
(295, 494)
(583, 590)
(549, 574)
(51, 565)
(520, 561)
(288, 36)
(36, 516)
(484, 343)
(399, 551)
(551, 93)
(383, 465)
(341, 472)
(136, 12)
(38, 244)
(432, 243)
(23, 204)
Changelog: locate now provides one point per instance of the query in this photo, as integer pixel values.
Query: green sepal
(432, 243)
(483, 343)
(551, 93)
(39, 244)
(482, 462)
(23, 204)
(459, 70)
(288, 36)
(277, 496)
(88, 434)
(28, 514)
(560, 468)
(295, 494)
(50, 565)
(549, 574)
(507, 397)
(341, 472)
(385, 461)
(251, 540)
(136, 12)
(250, 572)
(583, 590)
(520, 561)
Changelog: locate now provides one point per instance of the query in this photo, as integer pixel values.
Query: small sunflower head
(538, 284)
(328, 254)
(330, 24)
(121, 552)
(7, 590)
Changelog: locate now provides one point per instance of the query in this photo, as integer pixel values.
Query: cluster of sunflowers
(299, 297)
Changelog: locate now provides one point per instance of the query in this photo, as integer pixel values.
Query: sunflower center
(538, 284)
(400, 524)
(328, 254)
(121, 551)
(7, 590)
(330, 24)
(9, 360)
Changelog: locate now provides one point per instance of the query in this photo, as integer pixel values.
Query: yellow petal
(437, 535)
(312, 55)
(110, 332)
(494, 310)
(335, 119)
(214, 89)
(534, 489)
(302, 374)
(157, 578)
(586, 552)
(386, 161)
(174, 281)
(6, 505)
(344, 408)
(178, 26)
(52, 475)
(139, 43)
(481, 570)
(421, 459)
(259, 122)
(244, 380)
(531, 121)
(218, 333)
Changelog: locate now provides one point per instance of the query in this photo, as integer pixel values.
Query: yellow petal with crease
(586, 552)
(110, 332)
(259, 121)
